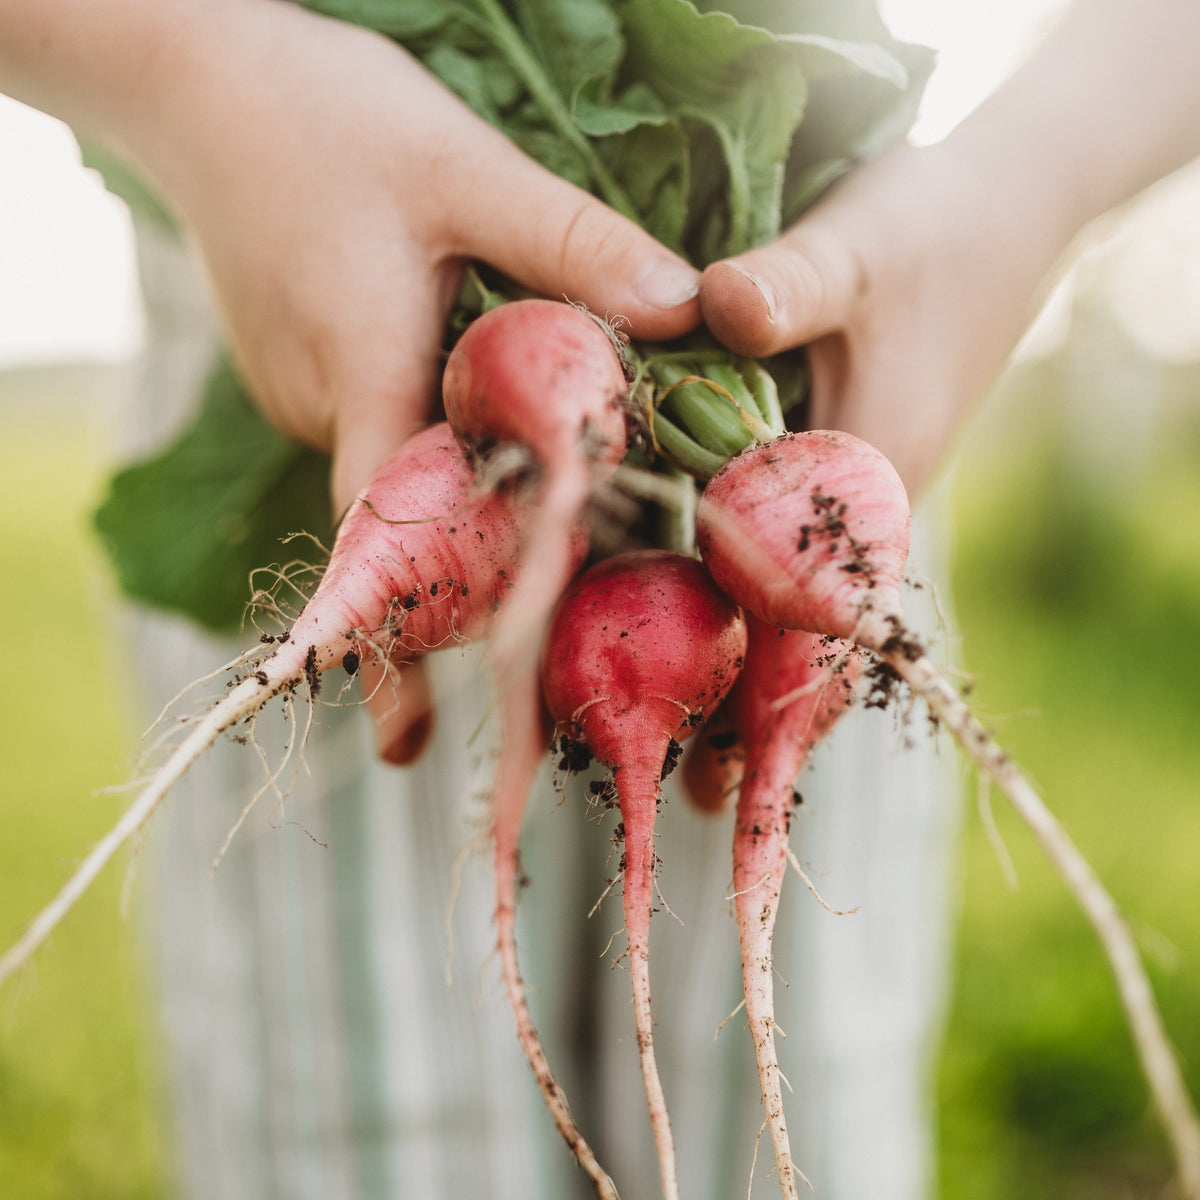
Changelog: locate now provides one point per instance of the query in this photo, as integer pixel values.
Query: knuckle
(824, 276)
(589, 239)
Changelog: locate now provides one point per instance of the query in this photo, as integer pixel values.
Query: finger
(559, 241)
(399, 700)
(385, 386)
(783, 294)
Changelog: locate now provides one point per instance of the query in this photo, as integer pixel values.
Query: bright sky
(67, 285)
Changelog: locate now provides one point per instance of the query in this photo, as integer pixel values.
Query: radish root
(1159, 1062)
(248, 697)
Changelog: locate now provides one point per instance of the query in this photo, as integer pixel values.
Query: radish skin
(546, 376)
(811, 532)
(642, 648)
(818, 675)
(422, 559)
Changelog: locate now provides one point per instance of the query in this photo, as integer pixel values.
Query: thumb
(783, 294)
(557, 240)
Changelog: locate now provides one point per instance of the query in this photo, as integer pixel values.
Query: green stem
(686, 453)
(706, 412)
(765, 392)
(728, 376)
(509, 41)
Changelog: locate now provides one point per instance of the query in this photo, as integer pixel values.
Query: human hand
(335, 194)
(913, 280)
(909, 284)
(335, 190)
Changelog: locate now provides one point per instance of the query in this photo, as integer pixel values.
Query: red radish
(525, 739)
(811, 532)
(642, 648)
(830, 521)
(421, 559)
(791, 690)
(547, 377)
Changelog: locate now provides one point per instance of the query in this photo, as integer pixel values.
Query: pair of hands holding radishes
(336, 222)
(339, 329)
(336, 209)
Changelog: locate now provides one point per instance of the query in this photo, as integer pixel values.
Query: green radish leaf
(599, 116)
(469, 77)
(404, 20)
(575, 40)
(651, 163)
(552, 152)
(854, 20)
(745, 86)
(825, 55)
(851, 118)
(186, 527)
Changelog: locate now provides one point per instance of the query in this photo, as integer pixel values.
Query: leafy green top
(188, 526)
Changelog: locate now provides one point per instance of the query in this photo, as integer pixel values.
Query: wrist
(94, 65)
(1104, 107)
(196, 94)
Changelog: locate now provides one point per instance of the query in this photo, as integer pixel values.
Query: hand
(914, 279)
(335, 190)
(909, 284)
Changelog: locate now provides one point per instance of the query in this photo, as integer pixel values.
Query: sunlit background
(1077, 584)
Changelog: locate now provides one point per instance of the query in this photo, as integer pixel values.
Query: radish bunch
(478, 526)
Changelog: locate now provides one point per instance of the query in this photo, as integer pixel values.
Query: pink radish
(791, 690)
(546, 377)
(641, 649)
(523, 748)
(811, 532)
(830, 524)
(421, 559)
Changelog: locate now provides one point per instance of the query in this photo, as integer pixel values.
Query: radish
(641, 649)
(522, 750)
(791, 690)
(811, 532)
(422, 559)
(547, 377)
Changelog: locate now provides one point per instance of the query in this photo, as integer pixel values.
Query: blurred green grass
(79, 1081)
(1080, 606)
(1079, 598)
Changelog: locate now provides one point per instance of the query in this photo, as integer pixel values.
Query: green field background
(1077, 599)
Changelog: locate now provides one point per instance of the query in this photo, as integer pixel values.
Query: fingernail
(764, 290)
(667, 284)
